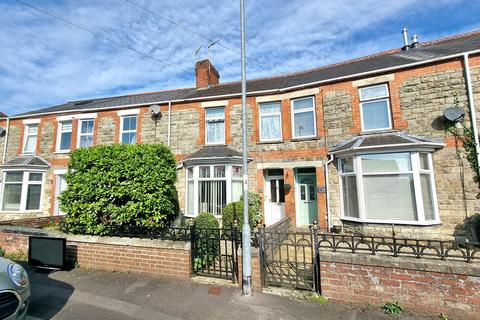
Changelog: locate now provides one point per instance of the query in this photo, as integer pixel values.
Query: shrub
(234, 211)
(206, 244)
(2, 252)
(392, 308)
(255, 204)
(117, 185)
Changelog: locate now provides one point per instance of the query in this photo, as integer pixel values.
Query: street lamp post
(246, 246)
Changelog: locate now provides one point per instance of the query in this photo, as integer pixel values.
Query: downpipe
(169, 122)
(327, 191)
(471, 102)
(5, 144)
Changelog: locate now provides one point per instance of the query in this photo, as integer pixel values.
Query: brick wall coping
(120, 241)
(429, 265)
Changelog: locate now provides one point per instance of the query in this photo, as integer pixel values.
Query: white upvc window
(22, 191)
(211, 187)
(393, 188)
(128, 129)
(215, 125)
(303, 118)
(64, 137)
(375, 110)
(270, 121)
(30, 138)
(85, 133)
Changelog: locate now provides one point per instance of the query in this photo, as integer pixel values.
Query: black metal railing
(215, 252)
(400, 247)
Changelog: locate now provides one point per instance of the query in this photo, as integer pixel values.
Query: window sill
(374, 131)
(305, 139)
(271, 142)
(394, 222)
(62, 152)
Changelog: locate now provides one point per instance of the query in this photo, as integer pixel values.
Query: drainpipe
(169, 121)
(471, 102)
(330, 160)
(4, 158)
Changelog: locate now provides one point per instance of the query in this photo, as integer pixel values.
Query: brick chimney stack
(206, 74)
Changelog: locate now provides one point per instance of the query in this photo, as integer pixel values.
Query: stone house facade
(360, 146)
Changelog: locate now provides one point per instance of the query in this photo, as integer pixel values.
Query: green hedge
(234, 211)
(120, 185)
(206, 220)
(255, 204)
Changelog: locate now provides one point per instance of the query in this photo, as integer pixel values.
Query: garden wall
(426, 286)
(169, 259)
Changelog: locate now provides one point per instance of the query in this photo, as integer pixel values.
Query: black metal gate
(215, 252)
(289, 259)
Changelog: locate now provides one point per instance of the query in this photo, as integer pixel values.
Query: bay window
(388, 188)
(211, 187)
(22, 190)
(303, 118)
(270, 121)
(215, 125)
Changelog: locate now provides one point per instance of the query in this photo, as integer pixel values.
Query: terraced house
(360, 145)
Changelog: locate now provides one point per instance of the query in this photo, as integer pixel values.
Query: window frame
(80, 134)
(26, 135)
(122, 117)
(25, 183)
(293, 112)
(59, 136)
(229, 178)
(269, 114)
(213, 120)
(416, 171)
(375, 99)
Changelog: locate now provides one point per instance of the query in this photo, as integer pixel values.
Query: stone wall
(430, 287)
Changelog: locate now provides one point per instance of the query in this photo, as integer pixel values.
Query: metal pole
(246, 250)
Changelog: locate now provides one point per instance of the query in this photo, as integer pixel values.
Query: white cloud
(45, 61)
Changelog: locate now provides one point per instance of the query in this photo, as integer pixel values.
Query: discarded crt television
(47, 252)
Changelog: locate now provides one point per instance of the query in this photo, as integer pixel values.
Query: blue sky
(45, 61)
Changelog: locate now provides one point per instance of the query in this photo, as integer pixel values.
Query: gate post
(316, 257)
(193, 236)
(261, 250)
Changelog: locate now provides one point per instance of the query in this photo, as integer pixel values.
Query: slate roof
(25, 162)
(379, 141)
(214, 154)
(375, 63)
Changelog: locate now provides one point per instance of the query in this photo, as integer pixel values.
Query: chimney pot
(405, 39)
(414, 41)
(206, 74)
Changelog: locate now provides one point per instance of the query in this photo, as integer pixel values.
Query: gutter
(471, 102)
(266, 92)
(5, 144)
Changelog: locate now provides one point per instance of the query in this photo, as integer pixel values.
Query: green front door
(307, 199)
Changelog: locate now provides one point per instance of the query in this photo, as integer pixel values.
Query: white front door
(61, 185)
(274, 204)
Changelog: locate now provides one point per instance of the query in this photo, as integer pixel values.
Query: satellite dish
(2, 132)
(155, 112)
(453, 114)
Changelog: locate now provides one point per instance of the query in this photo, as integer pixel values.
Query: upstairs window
(128, 129)
(303, 118)
(31, 134)
(215, 125)
(270, 121)
(375, 108)
(22, 191)
(85, 136)
(64, 136)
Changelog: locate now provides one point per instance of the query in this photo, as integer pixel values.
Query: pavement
(88, 294)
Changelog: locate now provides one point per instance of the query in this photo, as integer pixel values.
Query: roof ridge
(358, 59)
